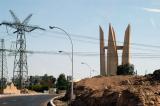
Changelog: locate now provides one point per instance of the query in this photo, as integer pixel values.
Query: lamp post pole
(54, 27)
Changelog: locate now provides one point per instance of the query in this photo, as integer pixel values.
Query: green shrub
(127, 69)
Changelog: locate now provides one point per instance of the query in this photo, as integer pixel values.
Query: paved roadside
(25, 100)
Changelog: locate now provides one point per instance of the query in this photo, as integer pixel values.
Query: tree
(127, 69)
(48, 81)
(62, 83)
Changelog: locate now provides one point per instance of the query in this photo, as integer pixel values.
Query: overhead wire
(93, 38)
(97, 54)
(90, 39)
(147, 47)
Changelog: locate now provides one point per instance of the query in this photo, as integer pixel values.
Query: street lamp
(54, 27)
(66, 54)
(88, 67)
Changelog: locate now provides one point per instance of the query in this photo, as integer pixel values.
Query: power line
(93, 40)
(133, 48)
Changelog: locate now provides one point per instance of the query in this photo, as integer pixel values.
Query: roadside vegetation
(45, 82)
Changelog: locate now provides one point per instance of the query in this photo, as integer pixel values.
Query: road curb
(51, 101)
(11, 95)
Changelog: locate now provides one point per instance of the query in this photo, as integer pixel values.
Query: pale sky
(81, 18)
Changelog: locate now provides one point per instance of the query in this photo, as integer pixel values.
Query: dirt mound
(118, 91)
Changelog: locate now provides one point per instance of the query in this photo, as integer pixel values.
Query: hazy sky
(81, 18)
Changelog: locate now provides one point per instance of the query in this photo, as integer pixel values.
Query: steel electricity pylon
(3, 65)
(20, 69)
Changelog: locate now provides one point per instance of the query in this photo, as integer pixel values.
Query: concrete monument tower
(126, 47)
(103, 70)
(110, 68)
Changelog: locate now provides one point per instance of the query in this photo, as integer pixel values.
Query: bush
(38, 88)
(127, 69)
(156, 74)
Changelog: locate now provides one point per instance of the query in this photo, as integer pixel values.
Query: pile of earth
(118, 91)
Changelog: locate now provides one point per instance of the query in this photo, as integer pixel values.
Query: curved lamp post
(88, 67)
(66, 54)
(54, 27)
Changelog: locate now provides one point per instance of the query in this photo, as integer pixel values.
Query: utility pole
(20, 69)
(3, 64)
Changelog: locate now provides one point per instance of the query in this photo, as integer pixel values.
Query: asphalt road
(29, 100)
